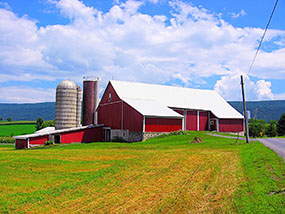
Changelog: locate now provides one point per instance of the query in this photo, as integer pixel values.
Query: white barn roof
(155, 100)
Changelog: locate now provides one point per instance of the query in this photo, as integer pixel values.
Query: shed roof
(52, 132)
(153, 100)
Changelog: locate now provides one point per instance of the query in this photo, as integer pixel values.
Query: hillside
(267, 110)
(28, 111)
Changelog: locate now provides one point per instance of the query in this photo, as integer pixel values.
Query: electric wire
(260, 43)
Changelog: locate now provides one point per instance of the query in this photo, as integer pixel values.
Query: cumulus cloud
(230, 88)
(125, 44)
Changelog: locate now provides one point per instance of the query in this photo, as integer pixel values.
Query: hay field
(163, 175)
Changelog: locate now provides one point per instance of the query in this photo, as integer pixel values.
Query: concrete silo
(90, 100)
(68, 105)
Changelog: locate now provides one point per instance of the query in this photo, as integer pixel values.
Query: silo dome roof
(67, 84)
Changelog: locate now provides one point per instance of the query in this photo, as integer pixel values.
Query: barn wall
(230, 125)
(191, 120)
(114, 95)
(83, 136)
(38, 140)
(162, 124)
(133, 120)
(21, 143)
(111, 115)
(203, 121)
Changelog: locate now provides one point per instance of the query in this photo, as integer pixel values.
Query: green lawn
(162, 175)
(8, 130)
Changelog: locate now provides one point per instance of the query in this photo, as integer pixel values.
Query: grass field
(4, 122)
(8, 130)
(163, 175)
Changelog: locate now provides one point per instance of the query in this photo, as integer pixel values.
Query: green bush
(49, 142)
(48, 123)
(271, 129)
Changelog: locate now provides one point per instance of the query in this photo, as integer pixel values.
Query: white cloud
(230, 88)
(125, 44)
(263, 90)
(5, 5)
(236, 15)
(24, 94)
(279, 96)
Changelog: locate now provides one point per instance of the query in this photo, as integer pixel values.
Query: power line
(262, 37)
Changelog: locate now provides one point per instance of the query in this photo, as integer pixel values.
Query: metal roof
(152, 108)
(153, 100)
(52, 132)
(66, 84)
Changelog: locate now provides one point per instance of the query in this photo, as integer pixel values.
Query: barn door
(213, 125)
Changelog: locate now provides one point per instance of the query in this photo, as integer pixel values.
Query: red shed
(85, 134)
(136, 111)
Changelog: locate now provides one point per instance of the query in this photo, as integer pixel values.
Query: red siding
(231, 125)
(114, 95)
(111, 115)
(191, 120)
(162, 124)
(203, 121)
(38, 140)
(83, 136)
(133, 120)
(21, 144)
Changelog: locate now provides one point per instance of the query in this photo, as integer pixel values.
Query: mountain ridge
(266, 110)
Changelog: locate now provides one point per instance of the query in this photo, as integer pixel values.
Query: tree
(49, 123)
(1, 118)
(271, 129)
(256, 127)
(9, 119)
(39, 123)
(281, 125)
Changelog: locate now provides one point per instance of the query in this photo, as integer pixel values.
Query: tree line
(260, 128)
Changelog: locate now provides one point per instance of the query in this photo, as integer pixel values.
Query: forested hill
(28, 111)
(267, 110)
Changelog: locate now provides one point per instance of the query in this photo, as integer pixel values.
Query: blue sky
(199, 44)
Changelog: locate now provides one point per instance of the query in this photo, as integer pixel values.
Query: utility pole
(244, 109)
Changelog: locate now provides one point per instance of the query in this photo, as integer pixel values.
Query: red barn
(136, 111)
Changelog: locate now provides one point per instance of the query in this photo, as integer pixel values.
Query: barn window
(110, 97)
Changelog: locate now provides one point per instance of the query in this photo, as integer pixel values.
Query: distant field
(7, 130)
(16, 122)
(165, 175)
